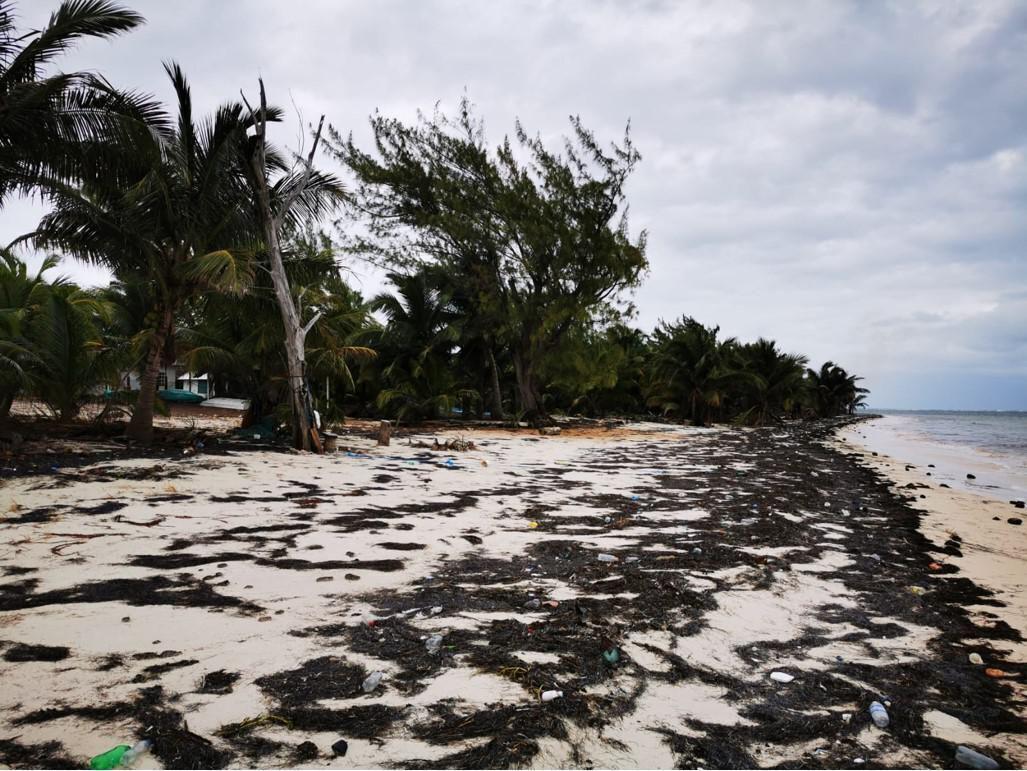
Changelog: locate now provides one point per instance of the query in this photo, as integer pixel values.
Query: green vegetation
(510, 267)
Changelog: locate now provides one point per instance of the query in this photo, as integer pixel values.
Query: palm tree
(692, 370)
(19, 293)
(183, 225)
(60, 126)
(238, 341)
(415, 348)
(775, 383)
(71, 357)
(834, 391)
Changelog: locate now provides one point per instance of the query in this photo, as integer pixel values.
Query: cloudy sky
(849, 178)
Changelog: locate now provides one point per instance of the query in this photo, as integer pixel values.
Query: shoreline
(994, 551)
(231, 606)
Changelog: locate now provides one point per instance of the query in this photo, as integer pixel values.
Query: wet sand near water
(232, 607)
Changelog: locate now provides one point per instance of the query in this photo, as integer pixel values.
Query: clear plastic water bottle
(138, 749)
(372, 681)
(973, 758)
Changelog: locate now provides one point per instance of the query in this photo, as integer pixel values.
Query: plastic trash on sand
(433, 643)
(973, 758)
(372, 681)
(123, 755)
(975, 658)
(551, 695)
(607, 558)
(879, 714)
(611, 655)
(781, 677)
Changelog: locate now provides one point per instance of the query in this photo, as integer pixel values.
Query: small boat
(180, 396)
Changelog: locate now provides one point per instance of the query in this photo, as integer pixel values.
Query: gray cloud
(849, 178)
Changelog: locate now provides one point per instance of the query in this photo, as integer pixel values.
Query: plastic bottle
(781, 677)
(974, 759)
(879, 714)
(550, 695)
(122, 755)
(138, 749)
(607, 558)
(433, 643)
(372, 681)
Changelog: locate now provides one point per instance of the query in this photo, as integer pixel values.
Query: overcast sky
(847, 178)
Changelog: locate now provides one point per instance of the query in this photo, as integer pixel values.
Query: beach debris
(935, 566)
(533, 525)
(533, 604)
(456, 444)
(551, 695)
(919, 591)
(607, 558)
(879, 714)
(372, 681)
(781, 677)
(305, 751)
(611, 655)
(551, 604)
(122, 755)
(384, 433)
(433, 643)
(550, 430)
(975, 658)
(993, 672)
(973, 758)
(846, 717)
(436, 610)
(340, 747)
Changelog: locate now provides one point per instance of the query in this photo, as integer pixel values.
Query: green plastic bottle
(122, 755)
(110, 758)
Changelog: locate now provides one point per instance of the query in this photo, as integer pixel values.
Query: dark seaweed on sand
(745, 479)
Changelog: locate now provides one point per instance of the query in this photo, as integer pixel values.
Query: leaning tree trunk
(295, 330)
(140, 427)
(497, 392)
(295, 339)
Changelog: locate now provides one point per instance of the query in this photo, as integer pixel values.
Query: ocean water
(990, 445)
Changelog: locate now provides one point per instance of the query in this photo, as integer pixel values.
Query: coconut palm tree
(19, 292)
(692, 369)
(57, 126)
(415, 348)
(239, 341)
(183, 225)
(775, 381)
(833, 391)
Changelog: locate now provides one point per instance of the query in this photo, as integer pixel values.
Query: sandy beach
(231, 607)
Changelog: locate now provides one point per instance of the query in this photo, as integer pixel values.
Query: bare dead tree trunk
(384, 433)
(304, 435)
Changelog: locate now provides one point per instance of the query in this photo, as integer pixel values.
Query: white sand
(295, 599)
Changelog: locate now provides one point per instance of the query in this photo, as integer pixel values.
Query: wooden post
(384, 433)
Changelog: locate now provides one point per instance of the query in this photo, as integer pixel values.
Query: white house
(175, 376)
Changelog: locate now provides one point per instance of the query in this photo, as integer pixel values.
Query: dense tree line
(510, 267)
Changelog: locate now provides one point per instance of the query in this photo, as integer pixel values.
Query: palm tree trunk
(140, 427)
(497, 392)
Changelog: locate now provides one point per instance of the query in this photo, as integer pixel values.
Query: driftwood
(458, 444)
